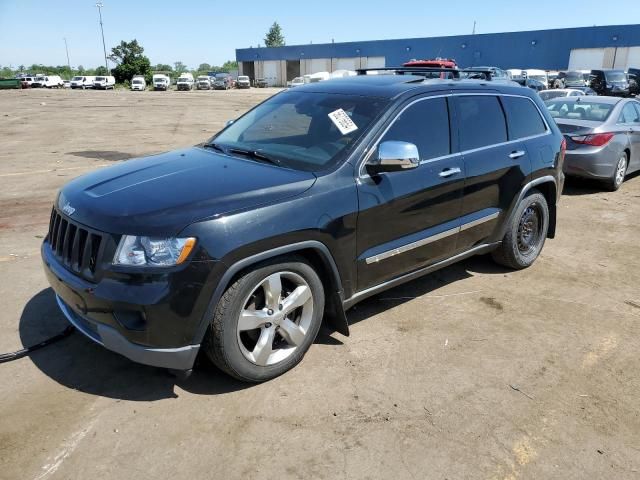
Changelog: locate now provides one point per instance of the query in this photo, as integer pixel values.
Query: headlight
(153, 251)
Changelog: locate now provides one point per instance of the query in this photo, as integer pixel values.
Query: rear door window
(481, 121)
(523, 118)
(426, 125)
(629, 115)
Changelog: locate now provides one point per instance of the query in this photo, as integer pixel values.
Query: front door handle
(516, 154)
(449, 171)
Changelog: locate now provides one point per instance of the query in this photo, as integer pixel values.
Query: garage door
(586, 58)
(319, 65)
(352, 63)
(374, 62)
(633, 59)
(271, 68)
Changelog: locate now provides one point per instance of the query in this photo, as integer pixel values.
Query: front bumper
(181, 358)
(154, 321)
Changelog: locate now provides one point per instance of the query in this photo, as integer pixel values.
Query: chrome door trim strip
(433, 238)
(412, 246)
(479, 221)
(361, 295)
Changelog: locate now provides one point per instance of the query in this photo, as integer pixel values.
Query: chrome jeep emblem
(68, 209)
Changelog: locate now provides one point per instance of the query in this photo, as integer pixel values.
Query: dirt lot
(473, 372)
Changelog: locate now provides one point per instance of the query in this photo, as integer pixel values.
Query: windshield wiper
(255, 154)
(214, 146)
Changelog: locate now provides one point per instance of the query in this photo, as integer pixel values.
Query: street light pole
(104, 47)
(66, 47)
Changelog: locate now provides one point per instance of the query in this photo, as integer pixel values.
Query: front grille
(74, 246)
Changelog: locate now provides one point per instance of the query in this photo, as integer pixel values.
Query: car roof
(391, 86)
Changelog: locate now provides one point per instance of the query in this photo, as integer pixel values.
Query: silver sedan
(603, 136)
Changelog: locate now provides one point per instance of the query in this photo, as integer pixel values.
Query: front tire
(266, 320)
(526, 233)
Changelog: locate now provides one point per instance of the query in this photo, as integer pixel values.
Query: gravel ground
(472, 372)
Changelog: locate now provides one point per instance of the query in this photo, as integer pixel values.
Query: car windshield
(303, 131)
(183, 79)
(573, 76)
(221, 76)
(579, 110)
(137, 80)
(243, 78)
(549, 94)
(615, 76)
(99, 79)
(539, 78)
(75, 79)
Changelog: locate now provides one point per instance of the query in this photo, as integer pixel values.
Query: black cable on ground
(7, 357)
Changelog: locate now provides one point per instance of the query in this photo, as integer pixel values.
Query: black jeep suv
(314, 200)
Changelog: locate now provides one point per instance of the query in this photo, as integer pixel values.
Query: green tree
(229, 65)
(162, 67)
(179, 67)
(103, 71)
(130, 59)
(204, 67)
(274, 37)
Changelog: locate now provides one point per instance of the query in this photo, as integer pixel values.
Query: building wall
(543, 49)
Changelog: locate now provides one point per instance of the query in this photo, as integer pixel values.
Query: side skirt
(359, 296)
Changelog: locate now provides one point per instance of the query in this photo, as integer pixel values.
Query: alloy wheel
(275, 318)
(621, 170)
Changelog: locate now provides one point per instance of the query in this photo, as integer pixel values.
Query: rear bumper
(181, 358)
(591, 162)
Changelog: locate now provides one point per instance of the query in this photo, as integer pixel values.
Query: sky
(200, 31)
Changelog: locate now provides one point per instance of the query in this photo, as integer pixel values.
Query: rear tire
(266, 320)
(526, 233)
(619, 172)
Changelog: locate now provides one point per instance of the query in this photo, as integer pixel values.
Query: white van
(104, 83)
(138, 83)
(161, 81)
(48, 81)
(185, 81)
(82, 81)
(203, 82)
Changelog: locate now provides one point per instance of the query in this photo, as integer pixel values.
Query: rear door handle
(516, 154)
(449, 171)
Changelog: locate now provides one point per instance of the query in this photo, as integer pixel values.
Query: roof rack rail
(418, 70)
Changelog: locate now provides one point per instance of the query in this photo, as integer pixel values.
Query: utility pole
(104, 47)
(66, 47)
(474, 28)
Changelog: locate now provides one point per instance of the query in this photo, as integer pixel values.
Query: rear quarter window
(481, 121)
(523, 118)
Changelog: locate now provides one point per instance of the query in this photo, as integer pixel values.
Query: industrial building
(616, 46)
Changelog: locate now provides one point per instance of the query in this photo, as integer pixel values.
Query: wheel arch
(548, 186)
(317, 254)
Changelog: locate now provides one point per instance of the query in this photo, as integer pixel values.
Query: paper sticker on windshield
(341, 120)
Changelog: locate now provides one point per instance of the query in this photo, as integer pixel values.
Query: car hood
(162, 194)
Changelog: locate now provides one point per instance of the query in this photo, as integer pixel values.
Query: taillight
(563, 149)
(596, 139)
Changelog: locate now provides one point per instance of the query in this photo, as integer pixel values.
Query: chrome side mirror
(394, 156)
(229, 122)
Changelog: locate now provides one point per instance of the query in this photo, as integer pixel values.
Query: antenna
(474, 28)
